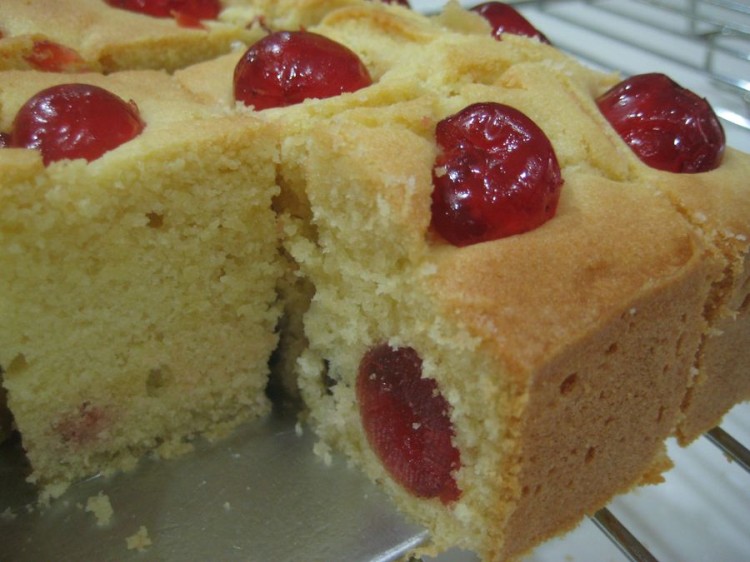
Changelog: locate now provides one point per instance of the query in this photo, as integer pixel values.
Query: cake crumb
(101, 507)
(140, 541)
(7, 515)
(298, 431)
(324, 452)
(227, 506)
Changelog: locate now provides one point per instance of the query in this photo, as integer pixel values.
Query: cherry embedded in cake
(406, 422)
(49, 56)
(496, 175)
(667, 126)
(70, 121)
(195, 9)
(287, 67)
(404, 3)
(504, 18)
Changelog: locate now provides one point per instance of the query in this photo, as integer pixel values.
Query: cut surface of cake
(138, 289)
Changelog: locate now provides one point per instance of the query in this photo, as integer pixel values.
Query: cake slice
(138, 289)
(561, 355)
(76, 35)
(498, 390)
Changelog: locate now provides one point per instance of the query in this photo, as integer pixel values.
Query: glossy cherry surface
(406, 422)
(288, 67)
(196, 9)
(496, 175)
(504, 18)
(75, 121)
(669, 127)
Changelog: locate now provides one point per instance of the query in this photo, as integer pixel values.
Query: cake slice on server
(503, 389)
(139, 264)
(500, 378)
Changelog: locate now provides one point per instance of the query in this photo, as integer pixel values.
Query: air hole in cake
(590, 455)
(155, 220)
(745, 306)
(660, 415)
(567, 386)
(17, 365)
(328, 381)
(405, 419)
(611, 349)
(157, 380)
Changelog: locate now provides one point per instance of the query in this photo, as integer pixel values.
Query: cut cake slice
(138, 290)
(563, 354)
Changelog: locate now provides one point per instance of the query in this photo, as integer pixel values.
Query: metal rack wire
(619, 534)
(710, 38)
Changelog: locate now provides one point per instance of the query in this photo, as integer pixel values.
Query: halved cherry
(407, 423)
(669, 127)
(75, 121)
(288, 67)
(496, 175)
(49, 56)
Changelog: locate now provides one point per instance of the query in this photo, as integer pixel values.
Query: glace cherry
(504, 18)
(49, 56)
(185, 9)
(496, 175)
(288, 67)
(75, 121)
(667, 126)
(406, 422)
(404, 3)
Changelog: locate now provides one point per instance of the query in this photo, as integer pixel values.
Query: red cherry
(496, 175)
(667, 126)
(288, 67)
(49, 56)
(75, 121)
(406, 422)
(504, 18)
(191, 9)
(404, 3)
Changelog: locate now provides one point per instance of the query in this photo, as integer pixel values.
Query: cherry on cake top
(504, 18)
(496, 174)
(187, 13)
(667, 126)
(71, 121)
(287, 67)
(406, 421)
